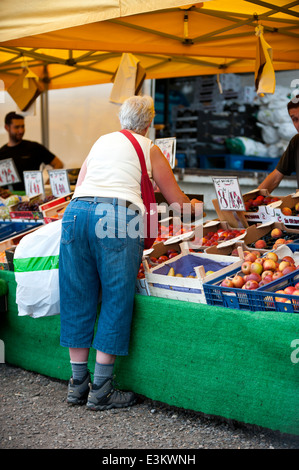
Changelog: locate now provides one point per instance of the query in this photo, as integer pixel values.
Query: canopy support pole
(45, 110)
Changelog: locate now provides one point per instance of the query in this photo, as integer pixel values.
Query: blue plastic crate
(261, 299)
(13, 229)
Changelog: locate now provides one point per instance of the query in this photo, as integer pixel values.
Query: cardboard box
(278, 211)
(214, 226)
(263, 231)
(244, 218)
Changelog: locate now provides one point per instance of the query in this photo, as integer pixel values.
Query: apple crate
(263, 232)
(189, 289)
(214, 227)
(267, 298)
(257, 299)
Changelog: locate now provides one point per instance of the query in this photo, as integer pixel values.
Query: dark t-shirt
(289, 162)
(27, 156)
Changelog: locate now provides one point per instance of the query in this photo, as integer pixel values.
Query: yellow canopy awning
(77, 42)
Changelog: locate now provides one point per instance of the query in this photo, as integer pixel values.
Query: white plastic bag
(36, 261)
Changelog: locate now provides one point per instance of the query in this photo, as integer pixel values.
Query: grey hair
(136, 113)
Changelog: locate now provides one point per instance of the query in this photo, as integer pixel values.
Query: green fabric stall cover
(3, 287)
(240, 365)
(225, 362)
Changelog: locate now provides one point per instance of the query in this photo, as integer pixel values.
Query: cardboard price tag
(34, 183)
(59, 181)
(8, 172)
(229, 194)
(168, 148)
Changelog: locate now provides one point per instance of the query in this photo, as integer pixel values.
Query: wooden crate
(185, 288)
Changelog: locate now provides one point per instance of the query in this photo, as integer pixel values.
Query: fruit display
(219, 236)
(153, 261)
(257, 271)
(32, 206)
(252, 205)
(165, 230)
(274, 239)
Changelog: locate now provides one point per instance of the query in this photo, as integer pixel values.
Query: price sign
(34, 183)
(60, 183)
(8, 172)
(228, 194)
(168, 148)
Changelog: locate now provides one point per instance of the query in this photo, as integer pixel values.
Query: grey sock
(79, 370)
(102, 372)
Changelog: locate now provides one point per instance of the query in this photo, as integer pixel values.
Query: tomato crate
(263, 298)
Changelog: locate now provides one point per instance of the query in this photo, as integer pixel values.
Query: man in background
(289, 162)
(27, 155)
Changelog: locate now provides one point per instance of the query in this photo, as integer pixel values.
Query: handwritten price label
(228, 194)
(34, 183)
(168, 148)
(60, 183)
(8, 172)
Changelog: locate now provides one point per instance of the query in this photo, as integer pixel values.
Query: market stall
(238, 362)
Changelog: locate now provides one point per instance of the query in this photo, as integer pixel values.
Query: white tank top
(113, 168)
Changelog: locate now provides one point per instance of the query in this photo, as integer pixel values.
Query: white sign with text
(34, 183)
(8, 172)
(60, 183)
(229, 194)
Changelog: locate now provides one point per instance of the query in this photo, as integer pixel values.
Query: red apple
(283, 265)
(288, 270)
(280, 299)
(280, 241)
(162, 258)
(227, 283)
(297, 284)
(250, 257)
(268, 278)
(269, 265)
(245, 268)
(289, 259)
(277, 275)
(289, 290)
(256, 268)
(286, 211)
(260, 244)
(238, 281)
(267, 273)
(251, 285)
(256, 253)
(276, 233)
(272, 255)
(253, 277)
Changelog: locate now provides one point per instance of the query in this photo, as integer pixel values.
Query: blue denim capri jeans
(100, 253)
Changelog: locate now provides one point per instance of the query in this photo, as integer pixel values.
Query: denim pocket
(68, 229)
